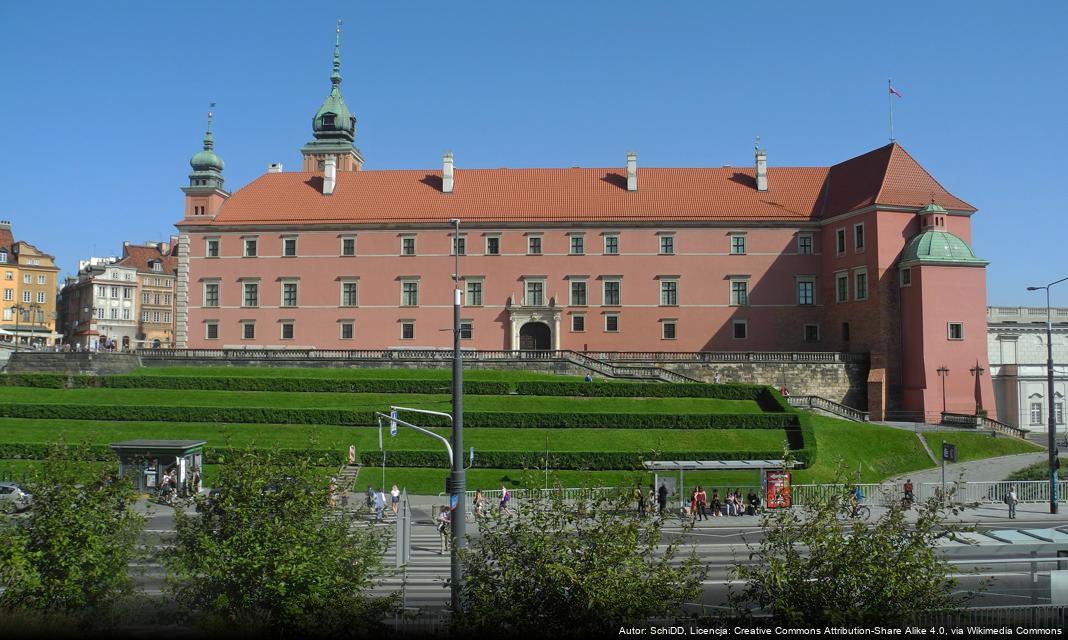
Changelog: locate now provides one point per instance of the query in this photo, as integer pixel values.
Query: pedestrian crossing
(423, 583)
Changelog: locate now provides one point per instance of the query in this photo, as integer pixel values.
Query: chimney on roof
(329, 175)
(761, 169)
(274, 167)
(5, 224)
(446, 172)
(125, 243)
(632, 171)
(164, 248)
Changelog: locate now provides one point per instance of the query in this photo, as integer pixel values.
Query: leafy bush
(39, 380)
(583, 460)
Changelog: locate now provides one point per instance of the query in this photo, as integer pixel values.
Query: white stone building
(101, 304)
(1018, 355)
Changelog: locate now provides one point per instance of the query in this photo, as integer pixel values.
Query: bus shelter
(664, 467)
(146, 462)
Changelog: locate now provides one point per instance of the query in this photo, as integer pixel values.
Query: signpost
(949, 452)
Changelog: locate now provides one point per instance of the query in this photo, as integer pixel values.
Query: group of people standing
(701, 506)
(376, 500)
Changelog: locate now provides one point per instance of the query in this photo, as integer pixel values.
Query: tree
(269, 554)
(818, 566)
(69, 557)
(563, 569)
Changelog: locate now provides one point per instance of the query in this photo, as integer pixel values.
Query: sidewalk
(987, 469)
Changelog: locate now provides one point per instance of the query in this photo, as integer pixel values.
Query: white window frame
(949, 331)
(840, 245)
(541, 245)
(341, 292)
(732, 236)
(285, 240)
(742, 323)
(207, 330)
(341, 329)
(858, 294)
(572, 281)
(244, 293)
(244, 329)
(452, 244)
(404, 323)
(663, 328)
(1036, 410)
(405, 281)
(341, 249)
(27, 297)
(661, 236)
(282, 293)
(415, 247)
(811, 244)
(470, 325)
(527, 281)
(42, 279)
(481, 282)
(204, 294)
(604, 291)
(606, 317)
(839, 276)
(733, 301)
(282, 324)
(811, 281)
(40, 297)
(604, 247)
(492, 236)
(255, 247)
(572, 237)
(664, 282)
(583, 317)
(859, 238)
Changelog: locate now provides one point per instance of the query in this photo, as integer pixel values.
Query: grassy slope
(366, 438)
(370, 401)
(444, 374)
(975, 446)
(872, 450)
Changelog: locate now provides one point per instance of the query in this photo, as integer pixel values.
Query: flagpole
(890, 104)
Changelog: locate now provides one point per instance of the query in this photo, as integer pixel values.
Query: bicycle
(862, 512)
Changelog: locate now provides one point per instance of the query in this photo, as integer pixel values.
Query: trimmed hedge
(582, 460)
(212, 455)
(640, 390)
(481, 419)
(771, 400)
(237, 383)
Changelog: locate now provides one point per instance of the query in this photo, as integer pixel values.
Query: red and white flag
(894, 91)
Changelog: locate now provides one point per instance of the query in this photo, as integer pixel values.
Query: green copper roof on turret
(343, 123)
(939, 247)
(206, 160)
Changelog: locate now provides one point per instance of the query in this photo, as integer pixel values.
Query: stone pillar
(556, 331)
(181, 294)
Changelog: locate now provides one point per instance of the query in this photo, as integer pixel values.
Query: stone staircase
(346, 477)
(633, 373)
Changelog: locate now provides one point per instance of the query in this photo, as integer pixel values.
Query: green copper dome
(334, 120)
(206, 160)
(931, 208)
(939, 247)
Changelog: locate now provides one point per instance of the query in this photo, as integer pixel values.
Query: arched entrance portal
(535, 336)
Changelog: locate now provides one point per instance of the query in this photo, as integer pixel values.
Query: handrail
(514, 354)
(830, 406)
(974, 421)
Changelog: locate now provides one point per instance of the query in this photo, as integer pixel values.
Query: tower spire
(209, 140)
(335, 77)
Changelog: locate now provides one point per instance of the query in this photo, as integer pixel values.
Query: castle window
(906, 277)
(804, 244)
(667, 330)
(328, 119)
(955, 330)
(741, 329)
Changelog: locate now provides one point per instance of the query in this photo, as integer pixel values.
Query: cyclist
(910, 497)
(856, 497)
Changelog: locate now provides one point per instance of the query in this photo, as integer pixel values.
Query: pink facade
(606, 259)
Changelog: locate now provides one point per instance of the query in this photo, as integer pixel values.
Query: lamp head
(1034, 288)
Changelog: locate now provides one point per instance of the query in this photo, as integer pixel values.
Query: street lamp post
(458, 484)
(977, 371)
(942, 373)
(18, 316)
(1052, 441)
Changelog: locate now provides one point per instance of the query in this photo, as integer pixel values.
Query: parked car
(14, 497)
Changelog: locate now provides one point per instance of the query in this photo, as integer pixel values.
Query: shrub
(640, 390)
(583, 460)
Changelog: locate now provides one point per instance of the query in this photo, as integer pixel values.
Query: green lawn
(866, 452)
(975, 446)
(444, 374)
(366, 438)
(371, 401)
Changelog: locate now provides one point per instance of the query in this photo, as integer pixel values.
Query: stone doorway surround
(547, 315)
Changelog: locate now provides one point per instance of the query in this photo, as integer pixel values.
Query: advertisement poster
(778, 489)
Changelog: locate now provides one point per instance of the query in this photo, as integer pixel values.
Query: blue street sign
(393, 423)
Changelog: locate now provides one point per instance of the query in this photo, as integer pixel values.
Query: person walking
(702, 500)
(370, 497)
(380, 505)
(1010, 499)
(640, 497)
(693, 505)
(443, 521)
(506, 497)
(479, 504)
(394, 499)
(910, 497)
(650, 501)
(661, 497)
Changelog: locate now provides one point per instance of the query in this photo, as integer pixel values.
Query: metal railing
(886, 493)
(443, 353)
(1034, 616)
(982, 422)
(612, 371)
(830, 406)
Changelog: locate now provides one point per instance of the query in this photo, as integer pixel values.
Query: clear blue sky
(104, 103)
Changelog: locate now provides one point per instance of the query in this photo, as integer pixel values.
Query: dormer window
(3, 257)
(328, 119)
(157, 266)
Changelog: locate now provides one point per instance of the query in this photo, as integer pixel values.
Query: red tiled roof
(135, 255)
(887, 175)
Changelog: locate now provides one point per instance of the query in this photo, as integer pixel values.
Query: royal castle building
(870, 255)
